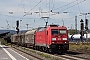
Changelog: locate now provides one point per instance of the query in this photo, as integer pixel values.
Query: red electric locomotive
(54, 38)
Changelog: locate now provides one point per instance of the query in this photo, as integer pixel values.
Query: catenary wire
(74, 5)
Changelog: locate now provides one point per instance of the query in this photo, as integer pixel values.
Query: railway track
(56, 56)
(26, 54)
(79, 54)
(72, 57)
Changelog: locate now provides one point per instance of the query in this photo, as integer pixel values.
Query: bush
(2, 41)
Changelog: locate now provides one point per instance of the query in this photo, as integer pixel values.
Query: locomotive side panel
(40, 38)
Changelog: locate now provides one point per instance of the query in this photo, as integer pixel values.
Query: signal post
(17, 28)
(82, 30)
(86, 27)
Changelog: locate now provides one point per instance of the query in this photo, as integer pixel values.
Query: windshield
(62, 31)
(54, 32)
(58, 32)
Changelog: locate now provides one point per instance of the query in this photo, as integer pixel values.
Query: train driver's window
(47, 32)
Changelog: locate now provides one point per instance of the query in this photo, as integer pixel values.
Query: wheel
(49, 51)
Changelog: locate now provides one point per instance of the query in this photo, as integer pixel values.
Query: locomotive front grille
(60, 46)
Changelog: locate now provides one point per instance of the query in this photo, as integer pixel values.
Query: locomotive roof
(53, 25)
(41, 28)
(57, 27)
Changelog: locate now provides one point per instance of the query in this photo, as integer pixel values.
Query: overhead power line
(78, 7)
(34, 7)
(66, 5)
(76, 1)
(74, 5)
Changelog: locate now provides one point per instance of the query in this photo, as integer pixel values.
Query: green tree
(73, 31)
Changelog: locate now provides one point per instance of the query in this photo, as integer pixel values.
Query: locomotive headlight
(53, 38)
(65, 42)
(53, 42)
(64, 38)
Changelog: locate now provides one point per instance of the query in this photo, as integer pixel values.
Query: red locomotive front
(53, 38)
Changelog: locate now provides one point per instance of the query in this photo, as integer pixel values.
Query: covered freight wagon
(14, 38)
(29, 38)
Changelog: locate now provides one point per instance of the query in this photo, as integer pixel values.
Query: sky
(31, 13)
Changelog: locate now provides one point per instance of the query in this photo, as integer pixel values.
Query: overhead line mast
(76, 24)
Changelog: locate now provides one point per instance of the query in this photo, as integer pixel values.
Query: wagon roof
(30, 32)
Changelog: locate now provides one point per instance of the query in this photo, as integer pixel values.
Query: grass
(48, 56)
(44, 55)
(79, 46)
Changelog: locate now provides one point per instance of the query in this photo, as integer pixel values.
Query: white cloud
(18, 7)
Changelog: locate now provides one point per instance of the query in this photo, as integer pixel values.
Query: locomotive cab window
(54, 32)
(62, 31)
(58, 32)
